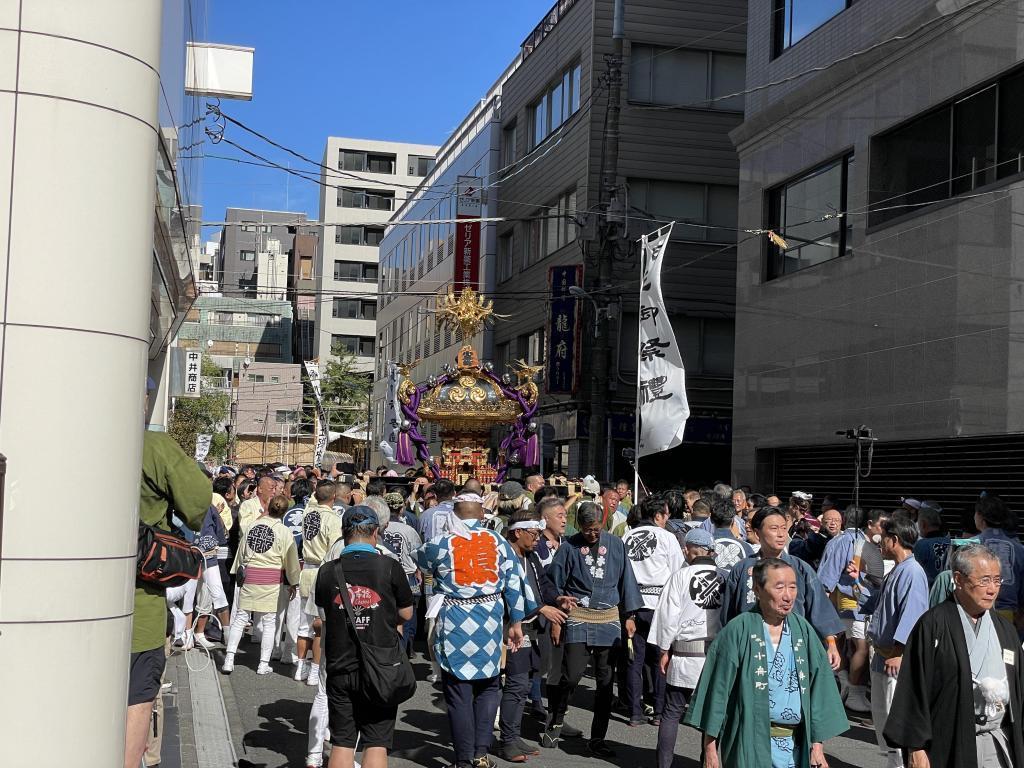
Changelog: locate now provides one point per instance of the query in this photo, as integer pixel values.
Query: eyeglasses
(987, 581)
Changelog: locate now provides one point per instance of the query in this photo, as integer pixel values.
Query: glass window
(346, 270)
(374, 199)
(347, 308)
(702, 212)
(1011, 137)
(795, 19)
(348, 235)
(373, 235)
(369, 310)
(380, 163)
(352, 160)
(286, 417)
(974, 141)
(557, 104)
(247, 255)
(686, 78)
(256, 378)
(508, 145)
(506, 243)
(717, 342)
(370, 272)
(795, 211)
(910, 167)
(420, 165)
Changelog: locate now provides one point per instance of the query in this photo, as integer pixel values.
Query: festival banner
(202, 446)
(392, 420)
(661, 391)
(322, 435)
(469, 205)
(563, 331)
(193, 373)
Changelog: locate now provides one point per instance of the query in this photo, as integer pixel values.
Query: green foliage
(345, 390)
(202, 415)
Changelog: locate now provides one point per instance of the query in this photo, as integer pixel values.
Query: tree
(345, 390)
(203, 415)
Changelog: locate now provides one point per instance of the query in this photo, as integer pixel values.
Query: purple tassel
(530, 452)
(404, 453)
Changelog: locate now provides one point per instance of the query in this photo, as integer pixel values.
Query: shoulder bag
(386, 673)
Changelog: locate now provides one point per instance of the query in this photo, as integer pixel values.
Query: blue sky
(401, 70)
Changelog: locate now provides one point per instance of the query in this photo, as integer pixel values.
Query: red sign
(467, 255)
(469, 205)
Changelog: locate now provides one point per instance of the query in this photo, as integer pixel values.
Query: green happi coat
(730, 702)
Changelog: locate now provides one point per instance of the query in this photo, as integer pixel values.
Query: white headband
(528, 525)
(471, 498)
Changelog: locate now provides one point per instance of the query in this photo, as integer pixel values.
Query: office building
(255, 248)
(892, 173)
(372, 180)
(417, 261)
(683, 61)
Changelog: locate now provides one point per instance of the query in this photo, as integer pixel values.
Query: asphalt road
(269, 716)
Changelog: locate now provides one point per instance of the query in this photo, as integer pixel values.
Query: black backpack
(386, 675)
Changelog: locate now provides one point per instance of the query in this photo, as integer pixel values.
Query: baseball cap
(360, 516)
(698, 537)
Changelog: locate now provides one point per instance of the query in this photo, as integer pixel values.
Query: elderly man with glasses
(958, 702)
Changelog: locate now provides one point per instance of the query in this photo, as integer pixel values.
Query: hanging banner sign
(193, 373)
(469, 205)
(661, 390)
(391, 407)
(202, 446)
(563, 331)
(322, 435)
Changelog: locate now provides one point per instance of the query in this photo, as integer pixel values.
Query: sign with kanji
(474, 560)
(563, 331)
(193, 373)
(661, 390)
(469, 205)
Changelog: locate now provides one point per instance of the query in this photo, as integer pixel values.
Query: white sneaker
(200, 639)
(857, 702)
(264, 668)
(314, 675)
(300, 672)
(229, 664)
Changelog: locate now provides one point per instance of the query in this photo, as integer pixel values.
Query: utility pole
(599, 456)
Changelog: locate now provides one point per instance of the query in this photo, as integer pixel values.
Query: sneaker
(526, 747)
(202, 640)
(300, 672)
(549, 739)
(264, 668)
(571, 731)
(600, 748)
(314, 675)
(229, 664)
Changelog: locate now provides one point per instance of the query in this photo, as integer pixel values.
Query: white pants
(267, 621)
(214, 588)
(288, 621)
(319, 727)
(182, 593)
(882, 689)
(306, 624)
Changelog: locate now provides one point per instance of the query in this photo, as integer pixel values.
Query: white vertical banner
(193, 373)
(392, 420)
(661, 384)
(322, 438)
(202, 446)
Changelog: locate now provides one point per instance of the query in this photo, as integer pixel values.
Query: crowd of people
(764, 623)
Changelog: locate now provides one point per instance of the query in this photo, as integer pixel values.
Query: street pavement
(268, 717)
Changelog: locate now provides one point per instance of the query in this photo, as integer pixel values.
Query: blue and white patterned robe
(467, 642)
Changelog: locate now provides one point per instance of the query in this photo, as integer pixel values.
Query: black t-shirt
(377, 589)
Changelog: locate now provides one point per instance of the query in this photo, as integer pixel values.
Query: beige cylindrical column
(78, 140)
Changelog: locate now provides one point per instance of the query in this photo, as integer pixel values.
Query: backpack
(166, 560)
(386, 674)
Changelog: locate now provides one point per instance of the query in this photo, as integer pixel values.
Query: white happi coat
(686, 620)
(654, 555)
(267, 553)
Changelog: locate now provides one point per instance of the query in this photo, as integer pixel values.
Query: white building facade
(371, 181)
